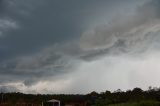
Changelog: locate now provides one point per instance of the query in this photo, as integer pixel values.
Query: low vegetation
(141, 103)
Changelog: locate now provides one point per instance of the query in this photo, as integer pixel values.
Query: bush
(141, 103)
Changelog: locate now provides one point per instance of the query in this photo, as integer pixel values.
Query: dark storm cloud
(39, 25)
(42, 40)
(124, 34)
(51, 22)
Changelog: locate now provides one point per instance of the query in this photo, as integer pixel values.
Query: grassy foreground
(142, 103)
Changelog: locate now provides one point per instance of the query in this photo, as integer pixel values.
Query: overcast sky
(79, 46)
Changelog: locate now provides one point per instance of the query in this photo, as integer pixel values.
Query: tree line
(92, 99)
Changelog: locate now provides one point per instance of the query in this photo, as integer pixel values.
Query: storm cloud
(64, 46)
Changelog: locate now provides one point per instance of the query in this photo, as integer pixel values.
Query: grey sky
(55, 46)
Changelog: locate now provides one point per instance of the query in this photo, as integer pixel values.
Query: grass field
(142, 103)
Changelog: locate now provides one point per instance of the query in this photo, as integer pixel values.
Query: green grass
(141, 103)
